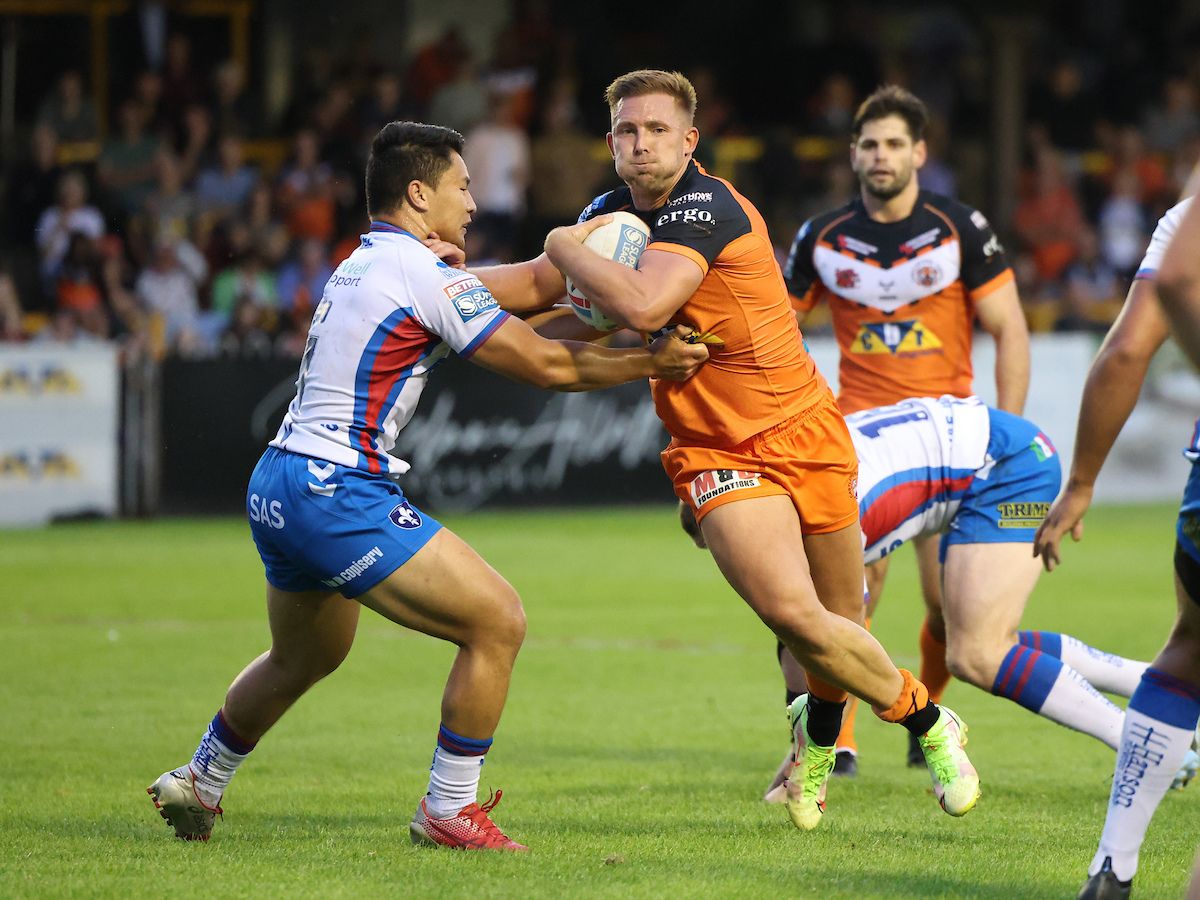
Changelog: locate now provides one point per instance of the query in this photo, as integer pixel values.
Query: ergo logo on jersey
(685, 215)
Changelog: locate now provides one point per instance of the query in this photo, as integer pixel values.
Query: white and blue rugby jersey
(916, 460)
(390, 313)
(1163, 232)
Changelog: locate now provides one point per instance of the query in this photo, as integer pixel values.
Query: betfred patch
(708, 485)
(470, 297)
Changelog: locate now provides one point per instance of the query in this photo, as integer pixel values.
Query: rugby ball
(621, 240)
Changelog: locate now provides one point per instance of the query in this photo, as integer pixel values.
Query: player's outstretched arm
(644, 298)
(524, 287)
(517, 351)
(1109, 395)
(1179, 283)
(1001, 316)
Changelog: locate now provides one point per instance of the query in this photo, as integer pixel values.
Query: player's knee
(504, 624)
(970, 662)
(798, 626)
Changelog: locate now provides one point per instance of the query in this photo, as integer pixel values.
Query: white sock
(215, 762)
(1149, 755)
(1106, 671)
(453, 782)
(1074, 702)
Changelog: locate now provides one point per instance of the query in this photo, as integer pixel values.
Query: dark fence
(476, 440)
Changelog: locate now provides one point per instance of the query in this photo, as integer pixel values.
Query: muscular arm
(1179, 283)
(1109, 395)
(644, 298)
(524, 287)
(1000, 316)
(516, 350)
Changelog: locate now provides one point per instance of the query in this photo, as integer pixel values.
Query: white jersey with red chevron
(390, 313)
(916, 459)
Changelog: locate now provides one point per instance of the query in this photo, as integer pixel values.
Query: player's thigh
(448, 591)
(835, 561)
(929, 566)
(986, 586)
(759, 547)
(312, 629)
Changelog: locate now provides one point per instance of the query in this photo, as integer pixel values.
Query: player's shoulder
(1169, 223)
(843, 215)
(608, 202)
(961, 214)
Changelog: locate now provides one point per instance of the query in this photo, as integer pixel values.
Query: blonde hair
(652, 81)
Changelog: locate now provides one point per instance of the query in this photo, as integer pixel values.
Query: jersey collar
(378, 227)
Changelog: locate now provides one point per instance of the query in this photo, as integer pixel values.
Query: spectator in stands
(77, 287)
(32, 185)
(497, 155)
(385, 103)
(1129, 154)
(566, 170)
(71, 214)
(182, 86)
(1048, 221)
(1064, 108)
(232, 108)
(12, 327)
(246, 334)
(246, 279)
(222, 188)
(302, 281)
(195, 141)
(433, 65)
(168, 289)
(462, 103)
(1093, 289)
(69, 112)
(148, 91)
(1174, 120)
(170, 207)
(1123, 224)
(126, 167)
(305, 192)
(831, 108)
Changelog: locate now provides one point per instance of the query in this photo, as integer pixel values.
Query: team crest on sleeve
(470, 297)
(404, 516)
(708, 485)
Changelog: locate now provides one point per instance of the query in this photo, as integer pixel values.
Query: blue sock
(1105, 671)
(1026, 676)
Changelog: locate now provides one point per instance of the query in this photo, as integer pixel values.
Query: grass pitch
(644, 721)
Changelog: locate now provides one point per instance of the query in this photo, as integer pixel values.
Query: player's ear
(608, 139)
(920, 152)
(417, 195)
(690, 140)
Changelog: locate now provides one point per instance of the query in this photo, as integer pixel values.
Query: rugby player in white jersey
(1160, 727)
(331, 523)
(983, 479)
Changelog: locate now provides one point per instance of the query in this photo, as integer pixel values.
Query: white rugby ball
(621, 240)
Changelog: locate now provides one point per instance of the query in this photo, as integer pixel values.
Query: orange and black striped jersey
(902, 295)
(761, 375)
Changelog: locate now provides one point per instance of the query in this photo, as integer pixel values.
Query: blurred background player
(328, 516)
(759, 450)
(1160, 724)
(906, 274)
(980, 479)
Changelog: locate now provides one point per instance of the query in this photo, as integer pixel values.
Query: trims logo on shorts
(707, 485)
(1022, 515)
(405, 516)
(355, 568)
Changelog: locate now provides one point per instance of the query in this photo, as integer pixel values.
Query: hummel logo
(322, 472)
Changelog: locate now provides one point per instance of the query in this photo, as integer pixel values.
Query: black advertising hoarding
(476, 440)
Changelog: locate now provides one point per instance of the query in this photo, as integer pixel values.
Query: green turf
(644, 720)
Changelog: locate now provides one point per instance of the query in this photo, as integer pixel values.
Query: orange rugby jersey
(902, 295)
(762, 375)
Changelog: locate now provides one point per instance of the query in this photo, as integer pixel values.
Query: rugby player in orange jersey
(906, 273)
(759, 450)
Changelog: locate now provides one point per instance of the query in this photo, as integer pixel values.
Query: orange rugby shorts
(808, 457)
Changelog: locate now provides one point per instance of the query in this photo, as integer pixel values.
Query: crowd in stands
(191, 227)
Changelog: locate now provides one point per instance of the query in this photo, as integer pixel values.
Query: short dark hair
(652, 81)
(892, 100)
(404, 152)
